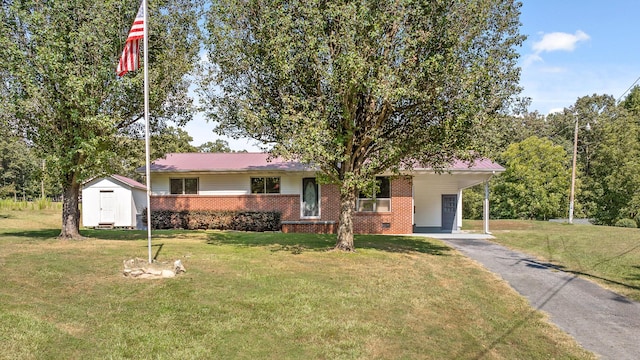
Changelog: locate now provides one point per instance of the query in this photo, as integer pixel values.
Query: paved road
(602, 321)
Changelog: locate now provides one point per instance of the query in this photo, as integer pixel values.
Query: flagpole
(146, 123)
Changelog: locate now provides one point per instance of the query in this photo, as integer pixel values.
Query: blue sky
(574, 48)
(578, 48)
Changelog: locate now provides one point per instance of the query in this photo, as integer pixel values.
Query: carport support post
(485, 208)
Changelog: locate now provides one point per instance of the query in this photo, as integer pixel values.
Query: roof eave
(457, 171)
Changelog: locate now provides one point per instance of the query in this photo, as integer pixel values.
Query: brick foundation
(310, 227)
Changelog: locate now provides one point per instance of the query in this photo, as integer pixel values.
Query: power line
(635, 82)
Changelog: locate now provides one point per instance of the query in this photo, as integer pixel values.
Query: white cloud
(556, 41)
(530, 59)
(559, 41)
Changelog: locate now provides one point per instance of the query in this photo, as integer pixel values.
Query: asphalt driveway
(602, 321)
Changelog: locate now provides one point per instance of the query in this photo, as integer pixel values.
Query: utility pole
(573, 173)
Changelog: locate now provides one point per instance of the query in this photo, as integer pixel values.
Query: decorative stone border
(141, 269)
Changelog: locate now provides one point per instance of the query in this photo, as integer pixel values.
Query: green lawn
(607, 255)
(256, 296)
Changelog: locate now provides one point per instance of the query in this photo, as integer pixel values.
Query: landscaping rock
(141, 269)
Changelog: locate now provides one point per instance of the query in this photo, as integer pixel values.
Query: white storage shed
(113, 202)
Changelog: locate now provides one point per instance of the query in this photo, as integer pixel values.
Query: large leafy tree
(20, 173)
(60, 90)
(512, 128)
(215, 146)
(614, 177)
(592, 113)
(616, 171)
(536, 181)
(362, 87)
(164, 140)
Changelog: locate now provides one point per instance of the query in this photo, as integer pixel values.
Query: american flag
(129, 59)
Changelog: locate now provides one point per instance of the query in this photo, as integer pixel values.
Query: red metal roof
(241, 162)
(223, 162)
(481, 164)
(130, 182)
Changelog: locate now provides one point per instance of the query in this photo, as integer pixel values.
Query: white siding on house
(291, 184)
(464, 181)
(231, 184)
(226, 184)
(160, 184)
(428, 191)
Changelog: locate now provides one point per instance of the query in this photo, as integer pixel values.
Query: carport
(437, 197)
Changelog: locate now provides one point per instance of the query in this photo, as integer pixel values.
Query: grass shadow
(102, 234)
(134, 235)
(116, 234)
(401, 244)
(298, 243)
(276, 241)
(44, 234)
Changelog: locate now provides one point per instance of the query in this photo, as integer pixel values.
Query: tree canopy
(536, 181)
(20, 174)
(607, 151)
(60, 90)
(365, 87)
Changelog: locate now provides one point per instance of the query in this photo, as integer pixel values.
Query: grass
(257, 296)
(40, 204)
(607, 255)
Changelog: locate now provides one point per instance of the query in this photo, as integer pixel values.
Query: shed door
(449, 210)
(107, 207)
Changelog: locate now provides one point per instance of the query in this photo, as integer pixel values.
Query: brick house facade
(207, 181)
(397, 221)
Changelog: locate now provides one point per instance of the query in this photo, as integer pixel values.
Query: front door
(449, 211)
(310, 198)
(107, 207)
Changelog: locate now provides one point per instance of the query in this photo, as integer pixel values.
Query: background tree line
(537, 152)
(25, 175)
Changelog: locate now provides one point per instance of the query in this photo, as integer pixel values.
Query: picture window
(183, 186)
(265, 185)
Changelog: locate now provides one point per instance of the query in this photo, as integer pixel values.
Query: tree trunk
(70, 212)
(345, 226)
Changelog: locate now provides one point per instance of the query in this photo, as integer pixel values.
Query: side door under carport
(449, 212)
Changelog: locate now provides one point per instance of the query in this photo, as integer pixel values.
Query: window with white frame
(180, 186)
(381, 199)
(265, 185)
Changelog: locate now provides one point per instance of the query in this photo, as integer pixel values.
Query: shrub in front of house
(256, 221)
(165, 219)
(215, 220)
(208, 220)
(628, 223)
